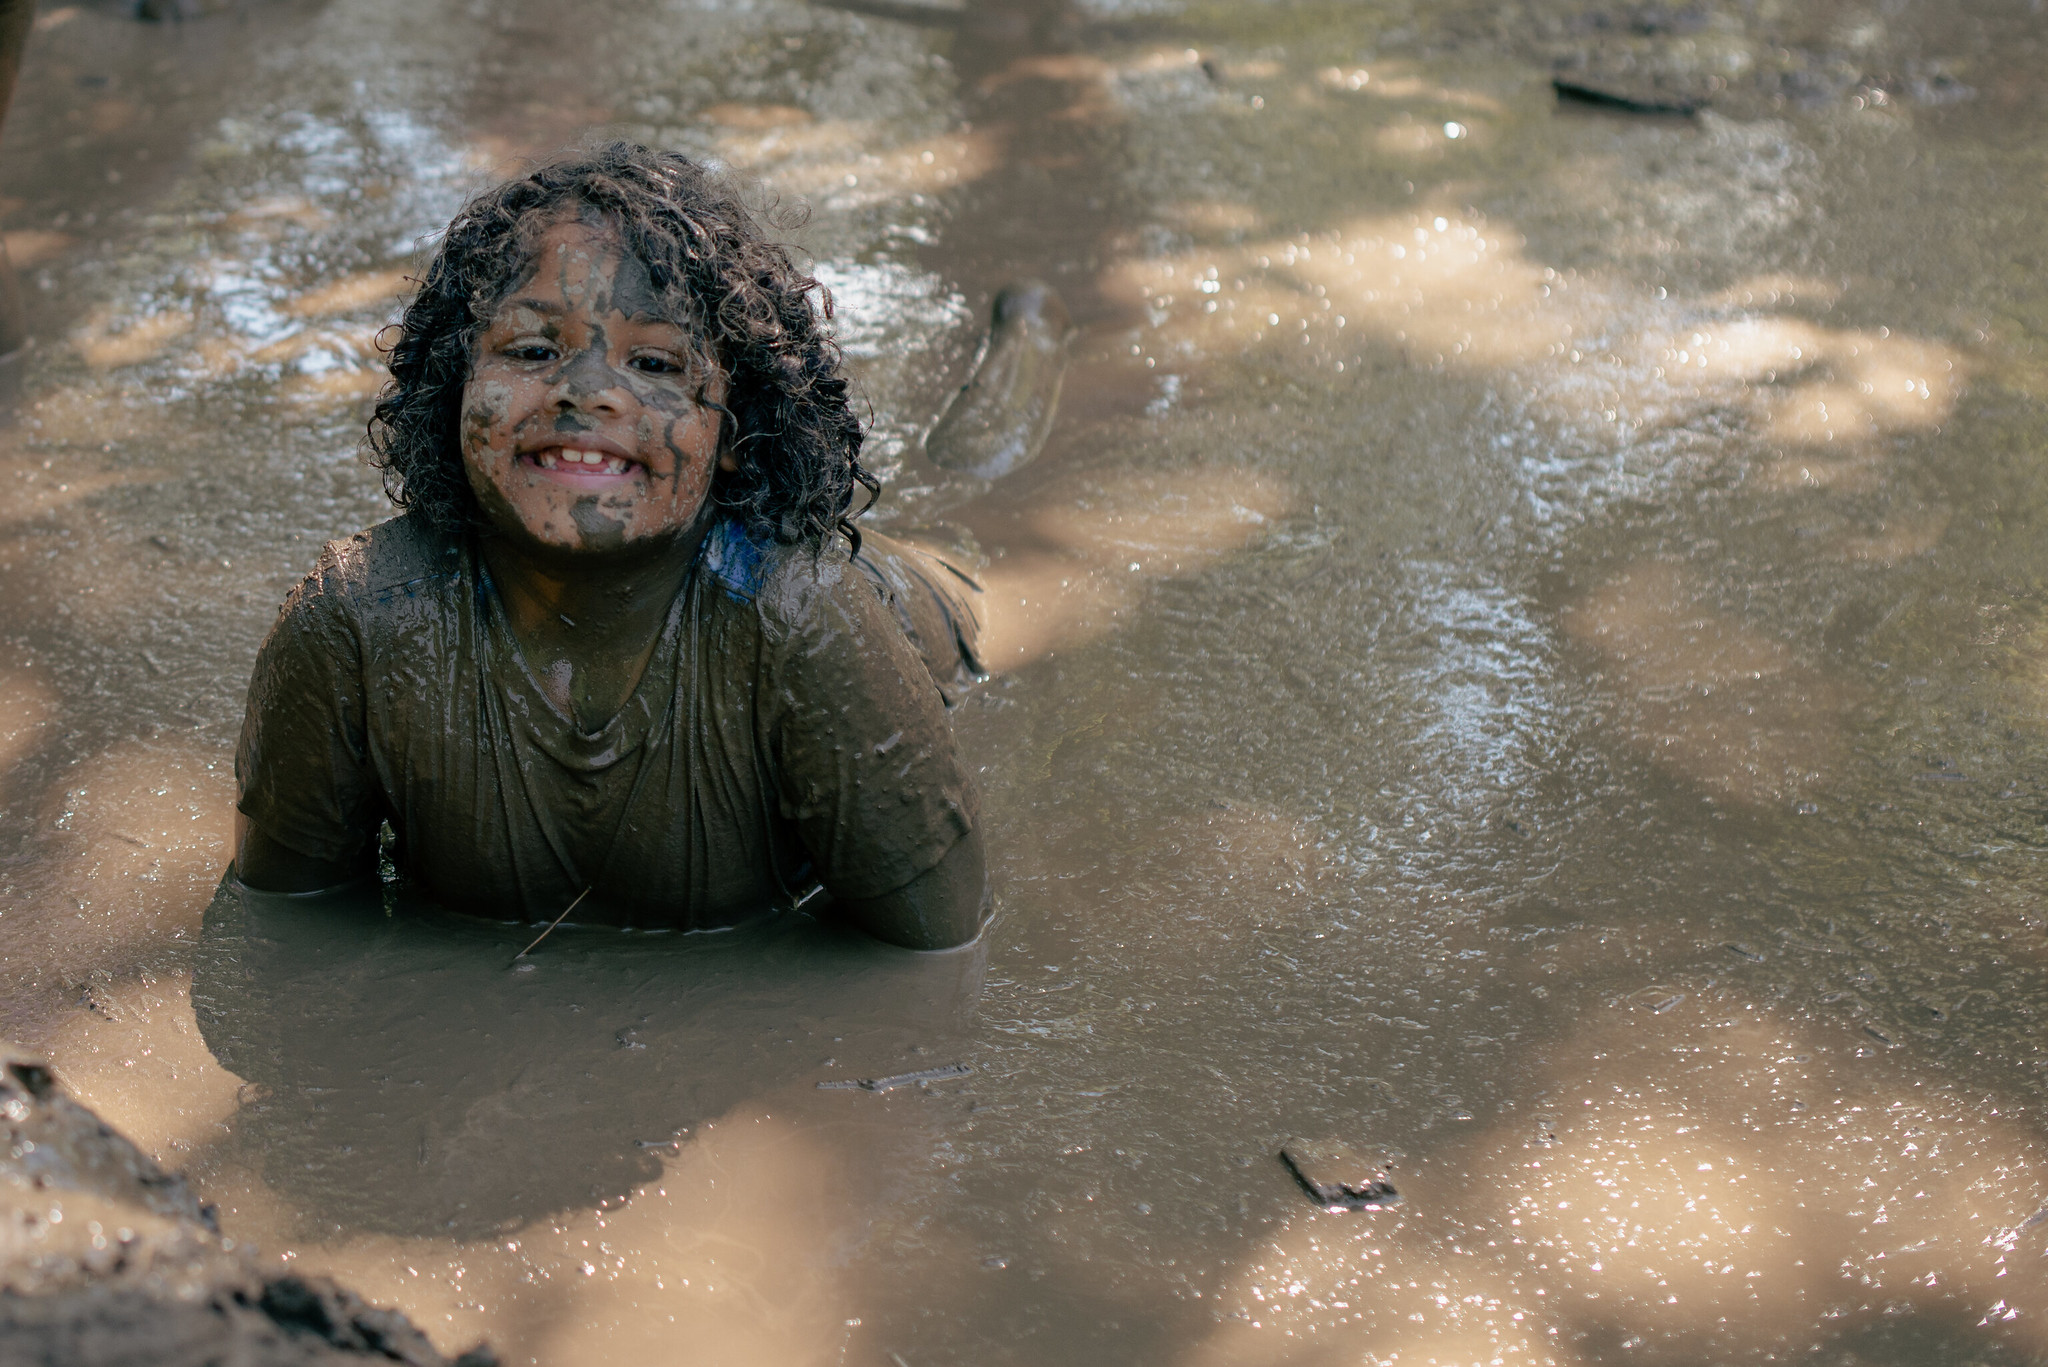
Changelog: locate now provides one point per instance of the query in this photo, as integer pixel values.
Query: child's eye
(655, 365)
(530, 351)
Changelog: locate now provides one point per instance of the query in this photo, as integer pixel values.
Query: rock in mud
(176, 11)
(106, 1260)
(1339, 1177)
(999, 420)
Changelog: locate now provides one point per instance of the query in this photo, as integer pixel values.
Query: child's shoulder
(402, 552)
(395, 557)
(786, 584)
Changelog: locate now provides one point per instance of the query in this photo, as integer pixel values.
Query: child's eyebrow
(556, 310)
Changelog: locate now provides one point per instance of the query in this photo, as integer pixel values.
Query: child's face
(584, 422)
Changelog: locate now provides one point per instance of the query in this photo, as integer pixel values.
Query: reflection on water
(403, 1076)
(1525, 647)
(1731, 708)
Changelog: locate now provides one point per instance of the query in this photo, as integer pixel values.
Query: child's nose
(587, 382)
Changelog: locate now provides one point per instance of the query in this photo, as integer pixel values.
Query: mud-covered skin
(587, 559)
(999, 420)
(580, 357)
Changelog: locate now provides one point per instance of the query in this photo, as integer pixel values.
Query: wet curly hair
(790, 428)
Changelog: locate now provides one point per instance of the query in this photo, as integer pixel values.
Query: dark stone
(170, 1291)
(1339, 1177)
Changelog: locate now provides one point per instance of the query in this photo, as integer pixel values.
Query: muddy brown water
(1524, 654)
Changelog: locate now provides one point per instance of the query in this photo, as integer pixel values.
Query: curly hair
(791, 430)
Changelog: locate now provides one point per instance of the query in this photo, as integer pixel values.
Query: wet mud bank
(106, 1260)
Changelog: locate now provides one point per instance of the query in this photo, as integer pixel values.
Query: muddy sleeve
(302, 767)
(938, 606)
(859, 739)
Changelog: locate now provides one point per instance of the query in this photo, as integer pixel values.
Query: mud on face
(591, 423)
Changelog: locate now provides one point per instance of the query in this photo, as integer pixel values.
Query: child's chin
(604, 536)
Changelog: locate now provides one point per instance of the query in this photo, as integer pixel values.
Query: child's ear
(727, 463)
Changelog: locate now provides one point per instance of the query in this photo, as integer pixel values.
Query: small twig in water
(551, 925)
(890, 1084)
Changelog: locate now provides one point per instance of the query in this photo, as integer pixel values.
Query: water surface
(1527, 656)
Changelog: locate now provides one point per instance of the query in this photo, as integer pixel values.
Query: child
(624, 642)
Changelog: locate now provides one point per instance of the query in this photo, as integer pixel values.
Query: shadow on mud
(403, 1078)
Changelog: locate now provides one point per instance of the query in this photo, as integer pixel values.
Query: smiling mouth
(570, 460)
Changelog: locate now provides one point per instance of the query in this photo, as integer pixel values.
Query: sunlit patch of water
(1076, 557)
(896, 325)
(1754, 1192)
(1485, 680)
(1731, 708)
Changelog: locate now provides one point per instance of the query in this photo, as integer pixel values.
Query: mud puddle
(1494, 555)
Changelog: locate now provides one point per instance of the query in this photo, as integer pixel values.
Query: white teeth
(612, 465)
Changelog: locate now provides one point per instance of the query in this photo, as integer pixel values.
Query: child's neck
(588, 625)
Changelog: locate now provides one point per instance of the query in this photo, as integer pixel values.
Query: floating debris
(1338, 1177)
(890, 1084)
(1608, 96)
(1742, 950)
(516, 966)
(1655, 999)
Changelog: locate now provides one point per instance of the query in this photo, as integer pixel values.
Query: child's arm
(267, 864)
(306, 819)
(939, 909)
(865, 761)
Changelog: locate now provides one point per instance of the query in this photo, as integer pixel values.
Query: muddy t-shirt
(790, 729)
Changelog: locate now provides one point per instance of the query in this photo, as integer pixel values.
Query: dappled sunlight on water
(1676, 1195)
(28, 707)
(1726, 706)
(136, 838)
(687, 1255)
(849, 163)
(1452, 289)
(133, 1053)
(106, 343)
(1076, 557)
